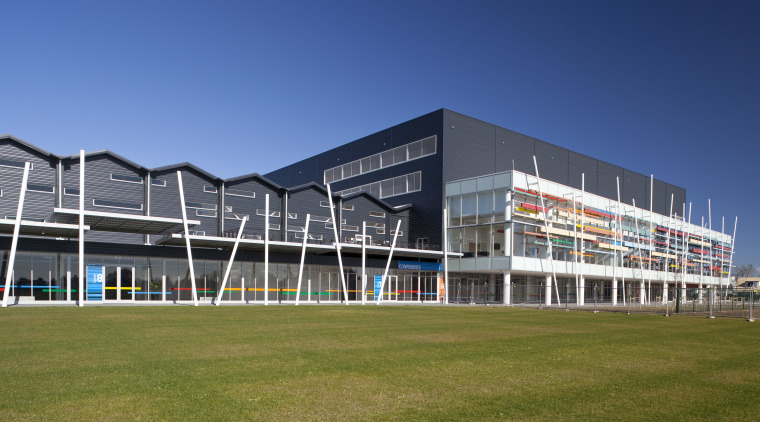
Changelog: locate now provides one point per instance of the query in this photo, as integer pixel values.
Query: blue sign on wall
(420, 266)
(95, 279)
(378, 286)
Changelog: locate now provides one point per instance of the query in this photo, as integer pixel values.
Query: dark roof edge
(29, 145)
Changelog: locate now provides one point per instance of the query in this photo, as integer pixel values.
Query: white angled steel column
(545, 207)
(16, 230)
(582, 281)
(81, 228)
(187, 240)
(232, 261)
(642, 288)
(445, 250)
(507, 288)
(622, 260)
(303, 258)
(337, 243)
(388, 265)
(266, 249)
(364, 263)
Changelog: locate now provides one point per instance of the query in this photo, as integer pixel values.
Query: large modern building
(99, 227)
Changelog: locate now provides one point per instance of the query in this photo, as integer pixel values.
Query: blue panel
(421, 266)
(95, 278)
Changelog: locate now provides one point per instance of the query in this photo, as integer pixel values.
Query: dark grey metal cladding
(512, 146)
(661, 200)
(360, 208)
(634, 185)
(165, 201)
(679, 199)
(103, 193)
(427, 202)
(403, 238)
(607, 178)
(579, 165)
(37, 205)
(553, 162)
(468, 147)
(310, 200)
(237, 204)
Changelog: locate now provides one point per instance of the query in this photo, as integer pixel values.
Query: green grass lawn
(373, 362)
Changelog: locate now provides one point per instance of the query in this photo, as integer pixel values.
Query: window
(200, 205)
(391, 157)
(376, 225)
(197, 232)
(377, 214)
(328, 225)
(380, 231)
(71, 191)
(348, 207)
(116, 204)
(400, 232)
(40, 188)
(395, 186)
(205, 213)
(292, 215)
(349, 228)
(15, 164)
(296, 229)
(311, 236)
(325, 204)
(156, 182)
(227, 208)
(273, 226)
(233, 216)
(319, 218)
(271, 213)
(209, 189)
(238, 192)
(125, 178)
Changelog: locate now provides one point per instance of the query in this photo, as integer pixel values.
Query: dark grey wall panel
(661, 200)
(513, 147)
(633, 185)
(679, 199)
(36, 204)
(236, 206)
(552, 162)
(579, 164)
(607, 180)
(100, 186)
(307, 201)
(165, 201)
(468, 147)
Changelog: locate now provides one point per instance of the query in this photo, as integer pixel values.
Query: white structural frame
(337, 243)
(81, 228)
(232, 261)
(303, 257)
(16, 230)
(642, 289)
(545, 207)
(388, 265)
(187, 241)
(622, 258)
(364, 262)
(266, 249)
(446, 256)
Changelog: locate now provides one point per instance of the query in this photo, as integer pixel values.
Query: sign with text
(420, 266)
(95, 277)
(378, 286)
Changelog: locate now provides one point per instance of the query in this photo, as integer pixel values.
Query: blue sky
(663, 87)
